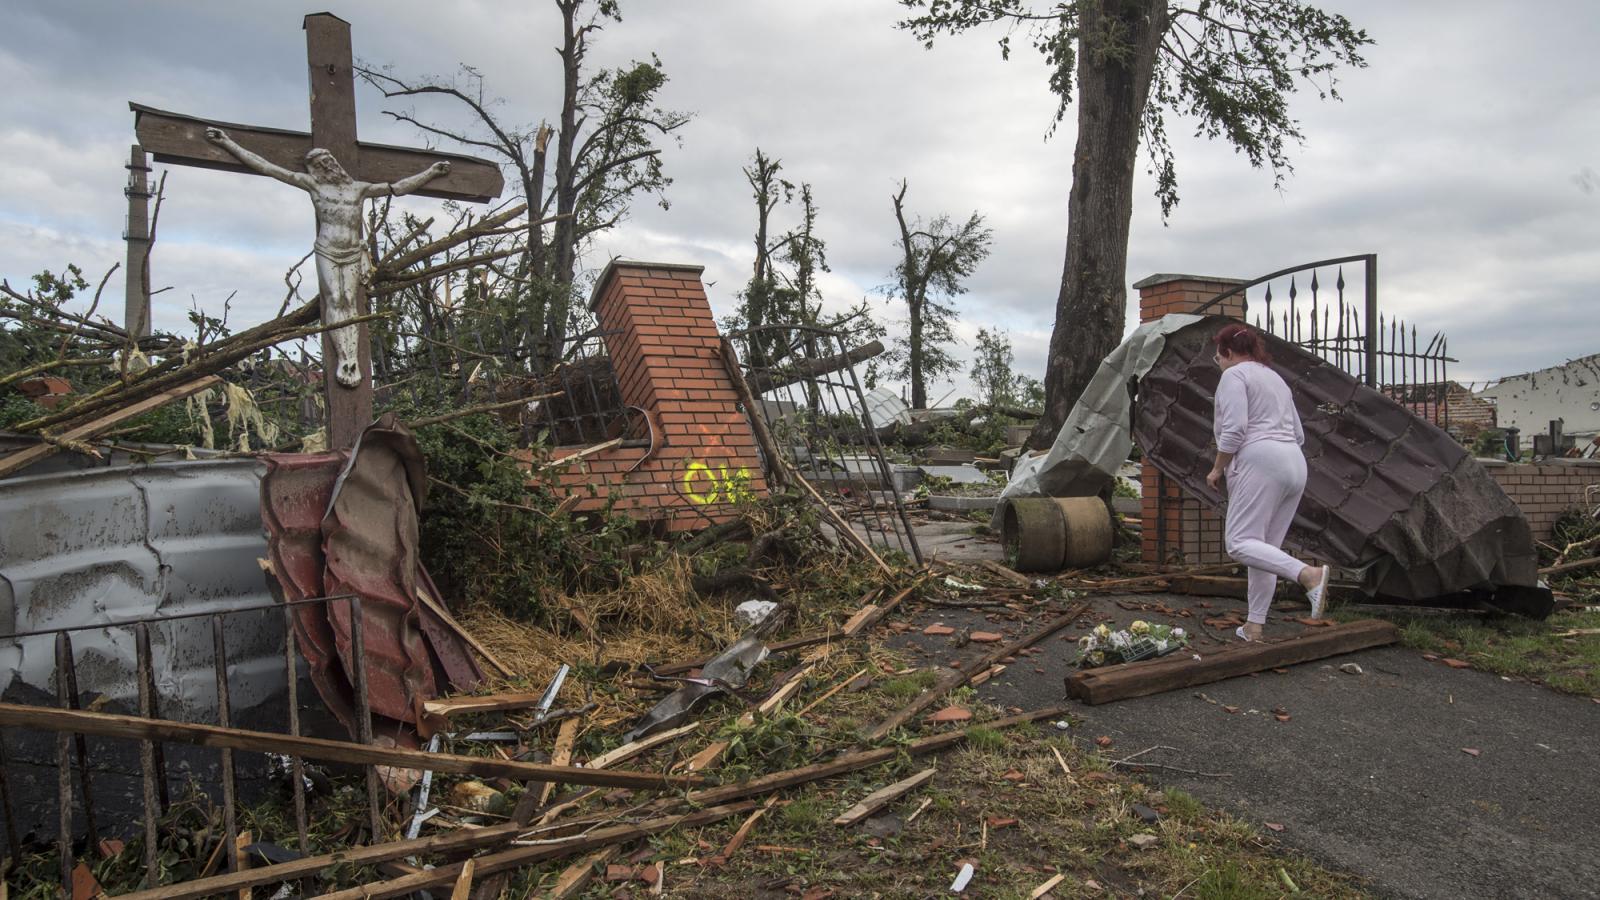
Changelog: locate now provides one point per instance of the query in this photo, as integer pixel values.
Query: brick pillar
(664, 348)
(1158, 296)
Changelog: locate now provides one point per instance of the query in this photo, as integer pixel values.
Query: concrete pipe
(1087, 527)
(1045, 534)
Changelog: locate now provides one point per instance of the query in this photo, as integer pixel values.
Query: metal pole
(296, 765)
(358, 650)
(147, 756)
(230, 822)
(63, 771)
(1372, 317)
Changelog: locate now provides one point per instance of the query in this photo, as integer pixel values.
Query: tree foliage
(936, 258)
(993, 375)
(1229, 65)
(605, 149)
(783, 288)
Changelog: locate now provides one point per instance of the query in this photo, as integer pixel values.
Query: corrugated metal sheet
(110, 545)
(1385, 488)
(116, 544)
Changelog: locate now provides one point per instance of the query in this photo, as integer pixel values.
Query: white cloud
(1453, 156)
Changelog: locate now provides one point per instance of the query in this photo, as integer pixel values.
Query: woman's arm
(1231, 415)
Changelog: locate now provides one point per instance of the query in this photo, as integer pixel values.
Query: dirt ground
(1425, 780)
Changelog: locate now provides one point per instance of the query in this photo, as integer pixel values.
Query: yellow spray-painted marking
(719, 483)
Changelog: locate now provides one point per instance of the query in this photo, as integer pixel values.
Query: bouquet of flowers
(1141, 640)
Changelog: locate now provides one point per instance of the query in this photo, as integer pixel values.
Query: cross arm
(179, 139)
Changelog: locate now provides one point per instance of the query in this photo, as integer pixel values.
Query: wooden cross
(181, 140)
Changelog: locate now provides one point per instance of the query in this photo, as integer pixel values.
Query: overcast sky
(1465, 155)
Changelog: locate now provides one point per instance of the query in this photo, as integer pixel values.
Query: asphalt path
(1370, 774)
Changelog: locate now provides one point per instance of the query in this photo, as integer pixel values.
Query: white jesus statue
(342, 262)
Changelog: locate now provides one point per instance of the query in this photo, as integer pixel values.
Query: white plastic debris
(962, 878)
(1063, 725)
(753, 612)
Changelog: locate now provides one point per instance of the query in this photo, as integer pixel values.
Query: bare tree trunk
(913, 278)
(563, 248)
(1116, 59)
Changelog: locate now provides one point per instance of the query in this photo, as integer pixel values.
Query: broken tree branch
(29, 455)
(763, 382)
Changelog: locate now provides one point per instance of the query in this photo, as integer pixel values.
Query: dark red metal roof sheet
(1385, 488)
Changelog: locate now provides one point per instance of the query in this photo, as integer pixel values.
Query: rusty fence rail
(152, 761)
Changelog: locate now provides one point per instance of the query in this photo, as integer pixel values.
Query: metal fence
(1316, 307)
(821, 421)
(153, 768)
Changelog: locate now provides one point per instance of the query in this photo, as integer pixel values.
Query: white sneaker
(1243, 636)
(1318, 594)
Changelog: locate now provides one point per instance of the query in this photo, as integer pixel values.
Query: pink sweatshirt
(1253, 404)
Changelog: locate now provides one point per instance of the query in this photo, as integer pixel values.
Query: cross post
(180, 139)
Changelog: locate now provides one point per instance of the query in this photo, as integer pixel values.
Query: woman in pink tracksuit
(1258, 449)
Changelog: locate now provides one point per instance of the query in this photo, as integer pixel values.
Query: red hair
(1242, 340)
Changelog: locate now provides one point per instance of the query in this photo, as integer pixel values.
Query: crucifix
(339, 173)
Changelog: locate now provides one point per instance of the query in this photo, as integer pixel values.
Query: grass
(1077, 825)
(1542, 652)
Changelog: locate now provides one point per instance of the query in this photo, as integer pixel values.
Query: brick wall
(1547, 490)
(664, 347)
(1187, 531)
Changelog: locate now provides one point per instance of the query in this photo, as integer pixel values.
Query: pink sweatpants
(1265, 481)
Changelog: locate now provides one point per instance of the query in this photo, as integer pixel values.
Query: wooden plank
(1140, 679)
(883, 796)
(560, 755)
(111, 725)
(1016, 578)
(629, 751)
(524, 856)
(330, 73)
(577, 876)
(755, 413)
(709, 756)
(830, 692)
(469, 839)
(464, 881)
(455, 706)
(743, 833)
(180, 139)
(950, 679)
(462, 632)
(29, 455)
(861, 759)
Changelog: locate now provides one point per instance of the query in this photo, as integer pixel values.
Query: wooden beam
(577, 876)
(1181, 670)
(507, 860)
(883, 796)
(470, 839)
(861, 759)
(950, 679)
(455, 706)
(110, 725)
(180, 139)
(461, 630)
(755, 413)
(30, 455)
